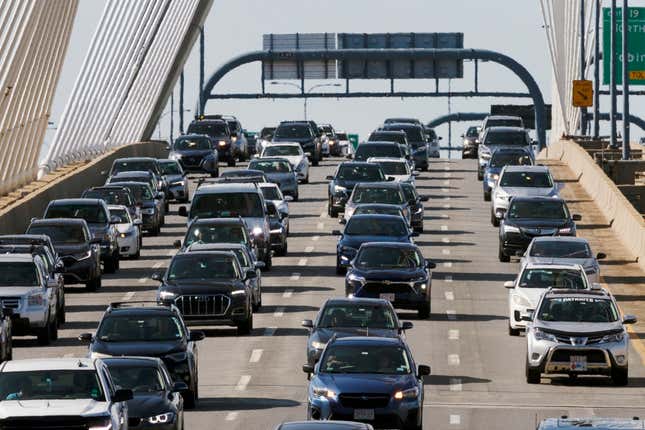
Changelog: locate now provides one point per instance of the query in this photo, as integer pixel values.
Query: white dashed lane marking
(128, 296)
(449, 295)
(445, 240)
(287, 293)
(453, 359)
(315, 238)
(278, 312)
(302, 262)
(256, 354)
(243, 382)
(444, 228)
(445, 251)
(231, 416)
(448, 278)
(157, 265)
(447, 264)
(452, 315)
(453, 334)
(321, 225)
(143, 280)
(295, 276)
(309, 249)
(455, 384)
(455, 419)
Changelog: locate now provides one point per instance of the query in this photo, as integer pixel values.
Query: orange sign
(582, 94)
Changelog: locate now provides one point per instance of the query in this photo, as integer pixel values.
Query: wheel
(213, 175)
(44, 335)
(167, 207)
(231, 161)
(533, 375)
(295, 197)
(137, 255)
(245, 328)
(340, 270)
(503, 257)
(268, 261)
(620, 376)
(94, 284)
(487, 196)
(53, 327)
(110, 265)
(314, 160)
(480, 175)
(424, 311)
(513, 331)
(155, 231)
(419, 229)
(282, 251)
(61, 315)
(117, 259)
(306, 180)
(190, 399)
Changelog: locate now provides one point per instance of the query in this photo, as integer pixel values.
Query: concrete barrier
(624, 218)
(16, 218)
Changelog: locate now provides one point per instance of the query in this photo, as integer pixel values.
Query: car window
(376, 210)
(387, 195)
(271, 166)
(214, 129)
(202, 267)
(271, 209)
(139, 379)
(374, 257)
(92, 213)
(556, 278)
(19, 274)
(413, 134)
(538, 209)
(121, 214)
(172, 168)
(61, 234)
(201, 233)
(409, 191)
(282, 150)
(387, 360)
(387, 137)
(395, 167)
(472, 132)
(508, 138)
(111, 197)
(361, 173)
(242, 257)
(144, 328)
(578, 309)
(51, 384)
(271, 193)
(227, 205)
(526, 179)
(367, 150)
(560, 249)
(368, 226)
(502, 158)
(293, 132)
(504, 122)
(357, 315)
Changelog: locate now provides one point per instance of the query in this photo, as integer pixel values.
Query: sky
(513, 27)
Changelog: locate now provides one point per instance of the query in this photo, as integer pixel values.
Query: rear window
(413, 134)
(213, 129)
(560, 249)
(367, 150)
(129, 166)
(227, 205)
(504, 122)
(93, 214)
(502, 158)
(508, 138)
(387, 137)
(61, 234)
(297, 131)
(363, 173)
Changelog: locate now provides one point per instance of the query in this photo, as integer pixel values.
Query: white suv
(63, 392)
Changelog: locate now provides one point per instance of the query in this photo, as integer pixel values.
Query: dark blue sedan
(369, 228)
(367, 379)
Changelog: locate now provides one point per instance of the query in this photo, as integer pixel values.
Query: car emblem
(578, 341)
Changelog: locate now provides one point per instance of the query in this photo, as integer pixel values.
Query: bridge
(133, 66)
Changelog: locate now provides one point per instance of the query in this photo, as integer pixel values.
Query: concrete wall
(625, 219)
(16, 218)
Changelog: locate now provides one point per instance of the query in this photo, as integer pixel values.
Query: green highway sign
(636, 45)
(353, 140)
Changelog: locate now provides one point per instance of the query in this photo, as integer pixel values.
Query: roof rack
(150, 303)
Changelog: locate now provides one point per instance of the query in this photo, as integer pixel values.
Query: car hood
(66, 249)
(123, 228)
(390, 274)
(357, 241)
(531, 294)
(584, 262)
(324, 334)
(579, 329)
(365, 383)
(145, 405)
(539, 223)
(528, 191)
(202, 287)
(52, 407)
(143, 349)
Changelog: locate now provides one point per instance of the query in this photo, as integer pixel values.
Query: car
(333, 147)
(272, 193)
(147, 329)
(115, 195)
(342, 317)
(97, 215)
(26, 291)
(368, 228)
(244, 201)
(498, 137)
(209, 288)
(390, 193)
(251, 141)
(292, 152)
(217, 230)
(433, 143)
(396, 169)
(151, 207)
(61, 393)
(198, 153)
(237, 135)
(415, 203)
(533, 280)
(323, 425)
(219, 131)
(247, 262)
(342, 183)
(157, 401)
(502, 121)
(394, 136)
(145, 178)
(564, 250)
(471, 142)
(177, 181)
(79, 251)
(279, 230)
(417, 139)
(392, 271)
(141, 164)
(520, 181)
(280, 172)
(577, 332)
(343, 143)
(529, 217)
(499, 159)
(369, 379)
(413, 121)
(367, 150)
(302, 133)
(128, 232)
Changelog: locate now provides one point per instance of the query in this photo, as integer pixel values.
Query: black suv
(303, 133)
(77, 249)
(147, 329)
(138, 164)
(342, 183)
(218, 130)
(196, 153)
(115, 195)
(150, 207)
(209, 288)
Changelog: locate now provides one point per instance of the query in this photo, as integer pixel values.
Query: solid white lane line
(302, 262)
(452, 315)
(453, 359)
(243, 382)
(453, 334)
(445, 251)
(315, 238)
(449, 295)
(455, 384)
(321, 225)
(127, 296)
(444, 228)
(447, 264)
(256, 354)
(231, 416)
(448, 278)
(455, 419)
(294, 276)
(445, 240)
(287, 293)
(269, 331)
(309, 249)
(278, 312)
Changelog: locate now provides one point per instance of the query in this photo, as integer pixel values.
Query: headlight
(347, 249)
(338, 189)
(617, 337)
(493, 176)
(485, 155)
(36, 299)
(83, 255)
(174, 156)
(167, 295)
(540, 335)
(411, 393)
(233, 138)
(238, 292)
(521, 301)
(105, 425)
(318, 345)
(222, 143)
(591, 270)
(356, 278)
(168, 417)
(126, 234)
(177, 183)
(177, 357)
(566, 230)
(148, 211)
(277, 231)
(511, 229)
(257, 231)
(323, 392)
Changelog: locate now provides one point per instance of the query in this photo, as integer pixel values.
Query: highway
(477, 380)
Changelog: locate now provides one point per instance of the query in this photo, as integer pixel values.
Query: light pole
(162, 117)
(303, 92)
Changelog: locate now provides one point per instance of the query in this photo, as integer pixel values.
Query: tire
(94, 284)
(268, 261)
(424, 311)
(282, 251)
(296, 197)
(513, 331)
(110, 265)
(480, 175)
(44, 335)
(315, 160)
(620, 376)
(155, 231)
(245, 328)
(503, 257)
(190, 399)
(61, 316)
(230, 162)
(53, 326)
(340, 270)
(306, 180)
(137, 255)
(487, 196)
(213, 175)
(167, 207)
(10, 348)
(533, 375)
(419, 229)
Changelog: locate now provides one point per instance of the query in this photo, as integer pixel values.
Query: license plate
(363, 414)
(389, 297)
(578, 363)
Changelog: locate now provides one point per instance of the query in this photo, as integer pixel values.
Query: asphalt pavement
(256, 382)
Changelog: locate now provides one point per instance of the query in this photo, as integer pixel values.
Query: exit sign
(635, 46)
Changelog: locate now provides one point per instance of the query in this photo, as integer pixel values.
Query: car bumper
(400, 301)
(557, 359)
(398, 414)
(469, 152)
(27, 320)
(148, 222)
(80, 271)
(128, 245)
(290, 188)
(277, 238)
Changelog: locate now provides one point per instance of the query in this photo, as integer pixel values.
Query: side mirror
(406, 325)
(336, 232)
(156, 277)
(179, 387)
(577, 217)
(260, 265)
(307, 323)
(509, 285)
(439, 138)
(288, 198)
(86, 337)
(308, 369)
(430, 264)
(342, 221)
(182, 211)
(196, 335)
(629, 319)
(423, 370)
(122, 395)
(601, 256)
(137, 222)
(424, 198)
(177, 244)
(462, 136)
(251, 274)
(329, 177)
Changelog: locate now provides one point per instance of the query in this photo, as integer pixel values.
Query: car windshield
(282, 150)
(111, 197)
(271, 166)
(201, 233)
(14, 274)
(502, 158)
(121, 214)
(526, 179)
(386, 360)
(578, 309)
(472, 132)
(227, 205)
(538, 209)
(367, 150)
(93, 214)
(139, 379)
(357, 315)
(374, 257)
(130, 166)
(409, 191)
(504, 122)
(271, 193)
(378, 210)
(394, 167)
(387, 137)
(556, 278)
(341, 136)
(205, 267)
(60, 234)
(376, 226)
(209, 128)
(361, 173)
(508, 138)
(389, 195)
(140, 191)
(140, 328)
(170, 168)
(192, 144)
(51, 384)
(146, 180)
(560, 249)
(293, 132)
